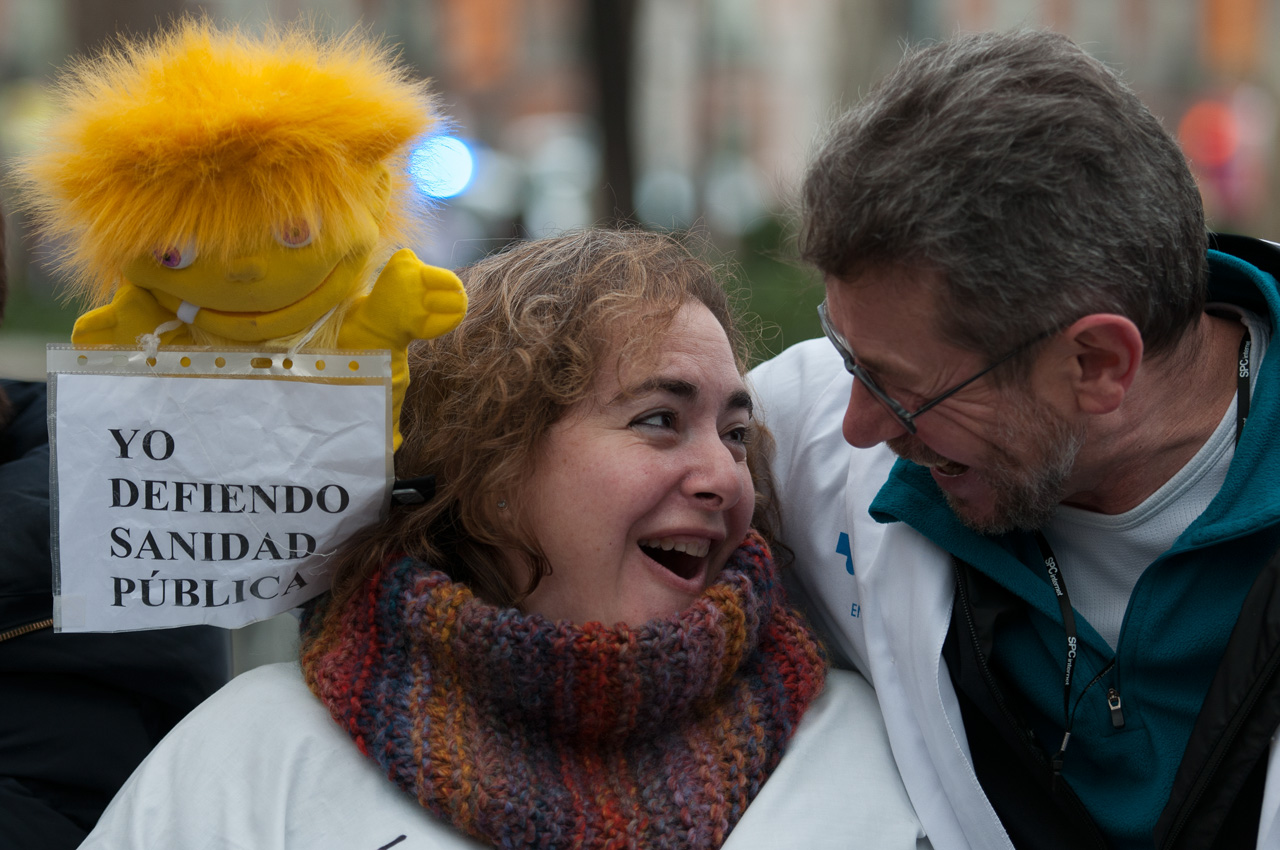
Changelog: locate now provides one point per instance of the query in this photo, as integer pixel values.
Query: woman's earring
(502, 504)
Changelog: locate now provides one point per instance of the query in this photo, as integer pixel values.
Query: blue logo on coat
(843, 548)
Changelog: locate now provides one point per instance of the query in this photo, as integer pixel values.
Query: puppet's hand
(131, 313)
(410, 300)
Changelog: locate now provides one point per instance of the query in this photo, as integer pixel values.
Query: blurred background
(690, 115)
(678, 114)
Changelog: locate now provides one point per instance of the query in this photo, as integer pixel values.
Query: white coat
(885, 606)
(262, 765)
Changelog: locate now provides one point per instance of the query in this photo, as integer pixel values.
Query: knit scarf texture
(527, 732)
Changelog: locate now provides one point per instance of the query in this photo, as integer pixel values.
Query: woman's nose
(716, 479)
(866, 421)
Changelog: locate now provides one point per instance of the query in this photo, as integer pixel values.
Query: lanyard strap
(1059, 584)
(1242, 384)
(1068, 614)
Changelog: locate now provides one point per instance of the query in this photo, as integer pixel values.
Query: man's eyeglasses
(905, 418)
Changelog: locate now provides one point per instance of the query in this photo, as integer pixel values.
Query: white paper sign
(208, 487)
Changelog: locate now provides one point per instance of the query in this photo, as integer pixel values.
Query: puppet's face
(275, 290)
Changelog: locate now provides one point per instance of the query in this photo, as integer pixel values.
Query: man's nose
(867, 422)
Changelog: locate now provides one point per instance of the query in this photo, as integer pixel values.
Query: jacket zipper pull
(1113, 703)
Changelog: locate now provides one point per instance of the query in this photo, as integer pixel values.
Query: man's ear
(1104, 351)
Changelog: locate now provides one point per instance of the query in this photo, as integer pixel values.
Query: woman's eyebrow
(673, 386)
(738, 400)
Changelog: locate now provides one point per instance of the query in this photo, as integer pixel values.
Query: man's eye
(892, 390)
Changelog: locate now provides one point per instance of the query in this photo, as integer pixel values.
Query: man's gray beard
(1027, 493)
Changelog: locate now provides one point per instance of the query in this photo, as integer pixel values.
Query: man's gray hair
(1026, 173)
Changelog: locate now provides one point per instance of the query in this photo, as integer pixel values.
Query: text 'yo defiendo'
(208, 497)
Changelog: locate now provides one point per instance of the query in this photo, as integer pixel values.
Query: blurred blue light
(442, 167)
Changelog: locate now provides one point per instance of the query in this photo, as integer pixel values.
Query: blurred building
(675, 113)
(699, 113)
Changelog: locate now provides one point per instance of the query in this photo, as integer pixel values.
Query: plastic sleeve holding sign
(206, 486)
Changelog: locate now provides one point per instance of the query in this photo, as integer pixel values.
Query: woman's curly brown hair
(542, 318)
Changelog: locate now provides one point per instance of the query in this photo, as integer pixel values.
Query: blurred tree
(612, 33)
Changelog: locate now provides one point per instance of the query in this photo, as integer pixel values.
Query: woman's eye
(738, 439)
(176, 256)
(294, 233)
(657, 419)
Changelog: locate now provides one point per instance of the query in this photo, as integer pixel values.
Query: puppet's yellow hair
(221, 136)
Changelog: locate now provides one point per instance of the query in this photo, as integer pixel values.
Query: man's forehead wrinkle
(888, 297)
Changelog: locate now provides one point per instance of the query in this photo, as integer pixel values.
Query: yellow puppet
(224, 189)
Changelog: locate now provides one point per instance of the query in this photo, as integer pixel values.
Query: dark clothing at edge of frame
(79, 711)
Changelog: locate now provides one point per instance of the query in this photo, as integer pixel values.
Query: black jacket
(78, 712)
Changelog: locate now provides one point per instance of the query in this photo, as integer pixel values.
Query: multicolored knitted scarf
(529, 733)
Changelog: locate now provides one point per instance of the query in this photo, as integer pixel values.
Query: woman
(579, 641)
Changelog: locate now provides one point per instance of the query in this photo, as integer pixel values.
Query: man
(1063, 586)
(78, 712)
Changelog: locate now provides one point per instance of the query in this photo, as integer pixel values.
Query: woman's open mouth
(685, 560)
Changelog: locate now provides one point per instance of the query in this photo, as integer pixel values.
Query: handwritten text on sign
(206, 500)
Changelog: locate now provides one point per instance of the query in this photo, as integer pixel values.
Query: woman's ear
(1104, 351)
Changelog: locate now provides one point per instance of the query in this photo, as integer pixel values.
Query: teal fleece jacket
(1179, 617)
